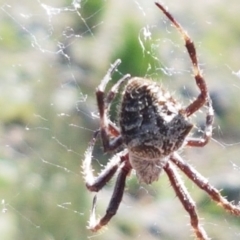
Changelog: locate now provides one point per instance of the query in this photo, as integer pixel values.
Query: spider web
(54, 54)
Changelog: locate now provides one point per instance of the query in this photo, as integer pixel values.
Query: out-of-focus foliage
(53, 55)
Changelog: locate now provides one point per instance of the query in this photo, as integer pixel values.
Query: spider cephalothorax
(152, 127)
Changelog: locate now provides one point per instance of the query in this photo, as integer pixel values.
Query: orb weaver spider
(153, 126)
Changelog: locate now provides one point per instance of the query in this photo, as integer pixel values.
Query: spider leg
(112, 93)
(186, 200)
(103, 105)
(94, 184)
(115, 201)
(113, 129)
(203, 97)
(200, 142)
(203, 183)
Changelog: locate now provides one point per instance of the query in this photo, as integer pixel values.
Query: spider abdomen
(152, 124)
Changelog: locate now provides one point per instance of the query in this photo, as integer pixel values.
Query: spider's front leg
(203, 97)
(103, 106)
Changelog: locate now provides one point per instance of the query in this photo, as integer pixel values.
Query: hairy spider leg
(116, 198)
(186, 200)
(202, 141)
(94, 184)
(103, 104)
(112, 93)
(189, 44)
(203, 183)
(203, 97)
(112, 128)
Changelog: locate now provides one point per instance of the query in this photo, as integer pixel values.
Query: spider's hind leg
(186, 200)
(203, 183)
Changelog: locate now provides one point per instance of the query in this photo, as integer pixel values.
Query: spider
(153, 126)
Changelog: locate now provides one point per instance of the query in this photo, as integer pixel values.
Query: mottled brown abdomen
(151, 120)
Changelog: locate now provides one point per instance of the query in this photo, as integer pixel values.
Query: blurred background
(53, 56)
